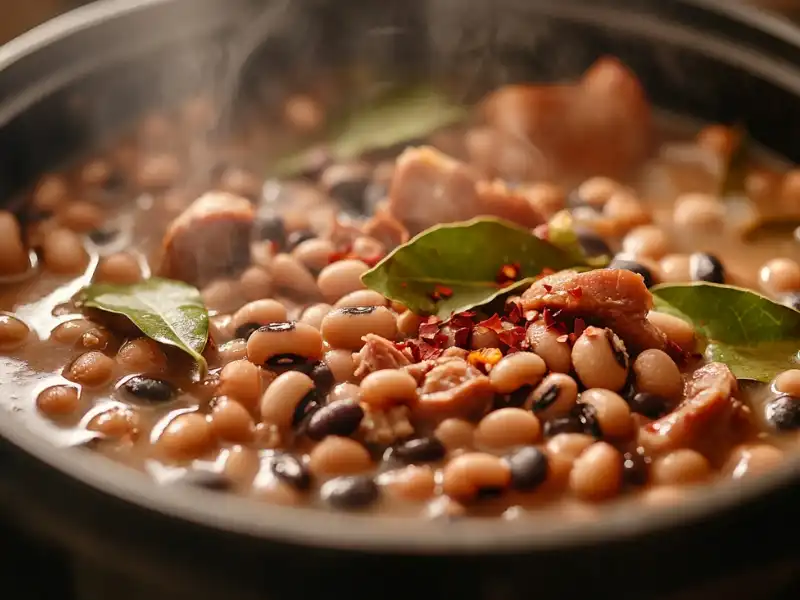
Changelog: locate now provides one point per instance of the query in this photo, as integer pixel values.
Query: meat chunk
(613, 298)
(377, 354)
(429, 188)
(453, 388)
(709, 402)
(601, 125)
(386, 229)
(209, 240)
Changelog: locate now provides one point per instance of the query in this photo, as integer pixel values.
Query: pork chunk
(377, 354)
(209, 240)
(453, 388)
(613, 298)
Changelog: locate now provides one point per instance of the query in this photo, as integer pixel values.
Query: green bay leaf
(755, 336)
(169, 312)
(465, 259)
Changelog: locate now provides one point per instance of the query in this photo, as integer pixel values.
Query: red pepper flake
(403, 284)
(579, 327)
(462, 337)
(514, 311)
(507, 274)
(547, 288)
(485, 357)
(575, 292)
(372, 260)
(513, 337)
(421, 350)
(440, 292)
(428, 331)
(462, 319)
(494, 323)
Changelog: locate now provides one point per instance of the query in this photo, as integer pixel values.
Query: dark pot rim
(318, 528)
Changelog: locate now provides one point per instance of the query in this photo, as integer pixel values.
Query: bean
(291, 275)
(419, 450)
(361, 298)
(568, 446)
(554, 396)
(158, 171)
(680, 467)
(637, 267)
(283, 396)
(677, 330)
(508, 427)
(91, 369)
(656, 373)
(569, 423)
(788, 383)
(118, 268)
(14, 257)
(259, 312)
(231, 421)
(345, 391)
(341, 278)
(314, 314)
(597, 191)
(675, 268)
(649, 405)
(315, 254)
(81, 217)
(279, 339)
(13, 332)
(468, 475)
(779, 275)
(186, 437)
(698, 212)
(336, 456)
(290, 470)
(344, 327)
(529, 468)
(706, 267)
(58, 401)
(596, 474)
(241, 466)
(116, 423)
(142, 355)
(70, 332)
(63, 252)
(149, 390)
(648, 241)
(613, 413)
(368, 248)
(256, 283)
(350, 492)
(600, 359)
(408, 324)
(783, 413)
(547, 344)
(411, 483)
(50, 192)
(625, 209)
(635, 467)
(240, 182)
(517, 370)
(241, 379)
(222, 296)
(756, 459)
(323, 378)
(455, 434)
(341, 418)
(232, 351)
(383, 388)
(483, 337)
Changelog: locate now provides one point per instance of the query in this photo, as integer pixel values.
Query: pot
(79, 78)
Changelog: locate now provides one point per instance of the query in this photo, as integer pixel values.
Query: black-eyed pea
(779, 276)
(646, 241)
(14, 257)
(596, 474)
(232, 351)
(241, 465)
(222, 296)
(600, 359)
(456, 434)
(91, 369)
(158, 171)
(13, 332)
(361, 298)
(81, 216)
(336, 456)
(290, 275)
(341, 278)
(118, 268)
(256, 283)
(680, 467)
(116, 423)
(470, 474)
(698, 212)
(626, 211)
(788, 382)
(345, 391)
(142, 355)
(663, 496)
(554, 396)
(384, 388)
(314, 314)
(231, 421)
(675, 268)
(58, 401)
(280, 339)
(368, 248)
(611, 411)
(97, 338)
(550, 346)
(282, 397)
(279, 493)
(50, 192)
(656, 373)
(341, 364)
(752, 459)
(597, 191)
(241, 379)
(414, 483)
(315, 254)
(69, 332)
(677, 330)
(63, 252)
(408, 324)
(506, 428)
(517, 370)
(483, 337)
(95, 172)
(186, 437)
(345, 327)
(562, 450)
(257, 314)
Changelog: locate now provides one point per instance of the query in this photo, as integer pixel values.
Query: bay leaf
(462, 261)
(169, 312)
(755, 336)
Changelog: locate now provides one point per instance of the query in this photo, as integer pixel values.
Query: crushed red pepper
(440, 292)
(507, 274)
(486, 357)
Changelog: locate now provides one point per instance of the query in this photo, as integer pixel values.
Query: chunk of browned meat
(600, 125)
(429, 188)
(453, 388)
(209, 240)
(386, 229)
(709, 402)
(377, 354)
(614, 298)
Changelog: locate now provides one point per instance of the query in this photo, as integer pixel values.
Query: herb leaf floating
(561, 232)
(169, 312)
(455, 267)
(756, 337)
(391, 120)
